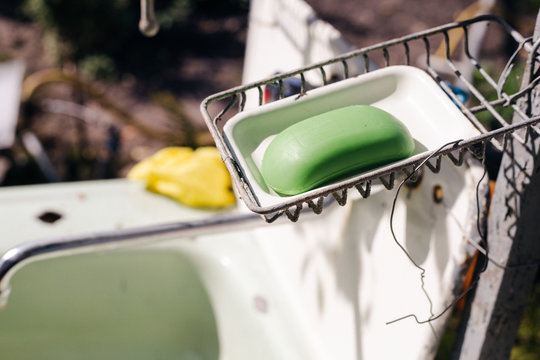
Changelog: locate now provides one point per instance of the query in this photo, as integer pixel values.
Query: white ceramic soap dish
(408, 93)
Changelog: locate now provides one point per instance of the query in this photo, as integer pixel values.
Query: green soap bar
(333, 145)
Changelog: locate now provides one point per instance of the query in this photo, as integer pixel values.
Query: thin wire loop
(422, 270)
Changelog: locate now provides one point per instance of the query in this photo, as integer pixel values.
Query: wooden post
(514, 242)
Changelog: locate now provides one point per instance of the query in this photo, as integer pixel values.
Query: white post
(514, 241)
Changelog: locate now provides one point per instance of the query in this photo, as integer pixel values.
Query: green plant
(98, 66)
(527, 345)
(511, 86)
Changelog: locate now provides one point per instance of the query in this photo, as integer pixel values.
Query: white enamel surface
(348, 277)
(323, 288)
(287, 34)
(206, 298)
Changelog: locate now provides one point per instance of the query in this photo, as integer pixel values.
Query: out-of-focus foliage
(511, 86)
(103, 35)
(99, 66)
(527, 346)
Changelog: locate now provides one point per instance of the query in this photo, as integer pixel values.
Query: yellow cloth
(195, 178)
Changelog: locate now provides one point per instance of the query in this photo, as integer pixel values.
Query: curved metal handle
(26, 253)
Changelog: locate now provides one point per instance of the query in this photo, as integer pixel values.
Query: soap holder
(406, 92)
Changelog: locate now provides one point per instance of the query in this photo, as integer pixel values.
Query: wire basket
(450, 55)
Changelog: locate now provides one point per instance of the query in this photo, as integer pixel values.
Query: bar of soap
(334, 145)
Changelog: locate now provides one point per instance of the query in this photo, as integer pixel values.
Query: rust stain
(438, 195)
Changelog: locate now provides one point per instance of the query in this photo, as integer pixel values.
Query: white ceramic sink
(322, 288)
(204, 296)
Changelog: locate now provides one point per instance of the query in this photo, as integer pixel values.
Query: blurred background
(99, 96)
(132, 95)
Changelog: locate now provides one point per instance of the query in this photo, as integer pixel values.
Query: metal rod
(148, 24)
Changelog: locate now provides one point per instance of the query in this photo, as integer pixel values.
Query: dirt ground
(201, 73)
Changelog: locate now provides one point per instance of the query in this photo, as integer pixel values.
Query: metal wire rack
(454, 62)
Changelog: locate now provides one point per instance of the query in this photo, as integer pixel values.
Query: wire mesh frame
(387, 175)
